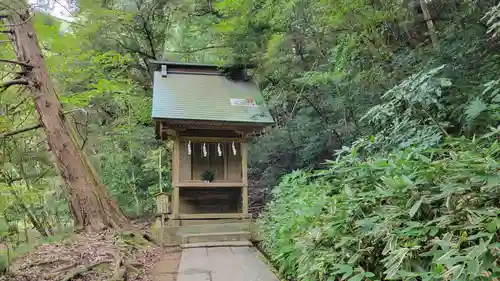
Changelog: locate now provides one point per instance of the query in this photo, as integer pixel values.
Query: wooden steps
(203, 231)
(205, 235)
(211, 228)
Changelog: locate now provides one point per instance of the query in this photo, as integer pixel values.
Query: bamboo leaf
(357, 277)
(414, 208)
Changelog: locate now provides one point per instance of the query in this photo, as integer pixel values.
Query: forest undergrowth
(430, 214)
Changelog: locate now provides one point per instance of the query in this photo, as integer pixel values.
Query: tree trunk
(430, 24)
(90, 202)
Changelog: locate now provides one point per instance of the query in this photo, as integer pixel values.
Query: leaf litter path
(223, 264)
(104, 256)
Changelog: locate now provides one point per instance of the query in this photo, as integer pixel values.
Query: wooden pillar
(244, 176)
(175, 178)
(162, 207)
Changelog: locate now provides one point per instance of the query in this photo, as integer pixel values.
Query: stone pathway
(223, 264)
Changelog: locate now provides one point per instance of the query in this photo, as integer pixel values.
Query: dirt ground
(108, 255)
(167, 267)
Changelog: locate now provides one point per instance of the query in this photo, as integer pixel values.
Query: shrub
(415, 214)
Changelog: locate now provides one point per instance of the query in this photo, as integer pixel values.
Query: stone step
(215, 237)
(187, 222)
(213, 228)
(217, 244)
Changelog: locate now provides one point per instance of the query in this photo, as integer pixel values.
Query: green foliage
(485, 108)
(428, 213)
(493, 20)
(207, 176)
(411, 112)
(323, 65)
(133, 177)
(104, 87)
(98, 67)
(406, 197)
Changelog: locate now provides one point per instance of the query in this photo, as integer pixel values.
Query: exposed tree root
(123, 255)
(47, 262)
(131, 264)
(119, 272)
(64, 268)
(82, 270)
(137, 238)
(124, 268)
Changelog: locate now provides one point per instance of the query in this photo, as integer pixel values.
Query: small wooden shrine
(208, 114)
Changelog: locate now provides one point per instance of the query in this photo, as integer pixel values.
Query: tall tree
(89, 201)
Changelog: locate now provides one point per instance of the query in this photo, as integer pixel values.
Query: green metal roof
(193, 96)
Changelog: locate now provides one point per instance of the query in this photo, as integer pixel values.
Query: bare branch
(34, 177)
(197, 50)
(70, 22)
(65, 8)
(17, 62)
(19, 103)
(83, 136)
(21, 23)
(7, 84)
(22, 130)
(142, 53)
(75, 110)
(5, 41)
(149, 35)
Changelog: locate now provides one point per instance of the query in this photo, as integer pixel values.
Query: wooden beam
(209, 139)
(175, 178)
(214, 216)
(210, 184)
(244, 198)
(244, 177)
(228, 125)
(225, 154)
(244, 162)
(159, 129)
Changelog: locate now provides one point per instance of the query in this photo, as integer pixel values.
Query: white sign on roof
(243, 102)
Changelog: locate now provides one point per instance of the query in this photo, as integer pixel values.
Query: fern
(474, 109)
(493, 20)
(485, 108)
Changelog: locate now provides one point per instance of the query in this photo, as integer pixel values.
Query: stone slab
(216, 237)
(217, 244)
(224, 264)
